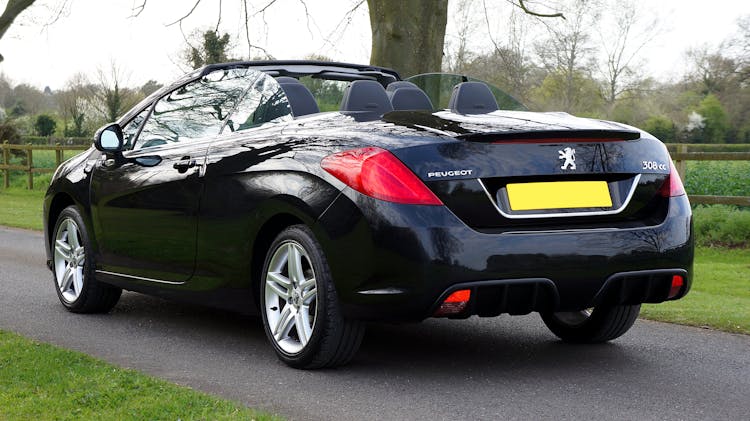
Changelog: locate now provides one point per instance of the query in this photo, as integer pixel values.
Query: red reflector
(673, 184)
(677, 284)
(455, 303)
(379, 174)
(459, 296)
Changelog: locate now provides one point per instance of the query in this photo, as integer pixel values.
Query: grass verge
(40, 381)
(719, 297)
(21, 208)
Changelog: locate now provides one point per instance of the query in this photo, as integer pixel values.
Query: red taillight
(673, 184)
(455, 303)
(377, 173)
(677, 283)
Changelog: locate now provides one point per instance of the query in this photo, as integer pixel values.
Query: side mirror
(109, 138)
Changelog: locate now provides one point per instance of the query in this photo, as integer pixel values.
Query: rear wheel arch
(263, 240)
(278, 213)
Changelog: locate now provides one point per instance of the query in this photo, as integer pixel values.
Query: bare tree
(74, 101)
(108, 96)
(457, 52)
(621, 40)
(739, 48)
(567, 53)
(12, 9)
(713, 72)
(508, 65)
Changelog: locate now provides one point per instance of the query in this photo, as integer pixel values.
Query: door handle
(183, 164)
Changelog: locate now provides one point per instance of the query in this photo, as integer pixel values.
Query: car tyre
(73, 269)
(599, 324)
(300, 309)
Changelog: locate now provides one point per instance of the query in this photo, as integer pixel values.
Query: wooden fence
(681, 158)
(680, 155)
(29, 167)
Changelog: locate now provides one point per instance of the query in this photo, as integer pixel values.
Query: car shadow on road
(474, 347)
(481, 347)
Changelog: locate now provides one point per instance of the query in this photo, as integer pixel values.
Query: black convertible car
(324, 195)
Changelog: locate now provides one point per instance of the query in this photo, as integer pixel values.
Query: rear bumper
(396, 262)
(523, 296)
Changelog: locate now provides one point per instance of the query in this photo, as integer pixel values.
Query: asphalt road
(498, 368)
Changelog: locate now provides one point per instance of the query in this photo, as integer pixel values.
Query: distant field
(718, 178)
(41, 159)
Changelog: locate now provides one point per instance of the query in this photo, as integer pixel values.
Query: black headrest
(399, 84)
(472, 98)
(287, 79)
(300, 99)
(366, 95)
(410, 99)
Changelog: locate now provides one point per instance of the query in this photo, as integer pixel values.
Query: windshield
(439, 86)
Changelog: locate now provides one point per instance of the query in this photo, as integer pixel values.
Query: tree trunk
(408, 35)
(12, 9)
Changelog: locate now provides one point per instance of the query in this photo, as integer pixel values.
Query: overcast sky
(90, 34)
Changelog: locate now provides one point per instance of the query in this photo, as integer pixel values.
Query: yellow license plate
(558, 195)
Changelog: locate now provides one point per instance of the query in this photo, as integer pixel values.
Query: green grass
(718, 178)
(719, 297)
(21, 208)
(43, 382)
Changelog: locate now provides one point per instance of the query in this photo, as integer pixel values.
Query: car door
(241, 173)
(145, 205)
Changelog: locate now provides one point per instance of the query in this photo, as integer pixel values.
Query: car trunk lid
(540, 170)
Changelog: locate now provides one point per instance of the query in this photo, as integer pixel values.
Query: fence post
(58, 155)
(6, 161)
(30, 163)
(682, 164)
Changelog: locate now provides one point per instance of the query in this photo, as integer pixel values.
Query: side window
(264, 102)
(196, 110)
(131, 129)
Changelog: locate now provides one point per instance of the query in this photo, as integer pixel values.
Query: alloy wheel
(291, 297)
(69, 258)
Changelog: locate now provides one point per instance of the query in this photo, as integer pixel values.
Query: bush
(663, 128)
(9, 132)
(45, 125)
(719, 225)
